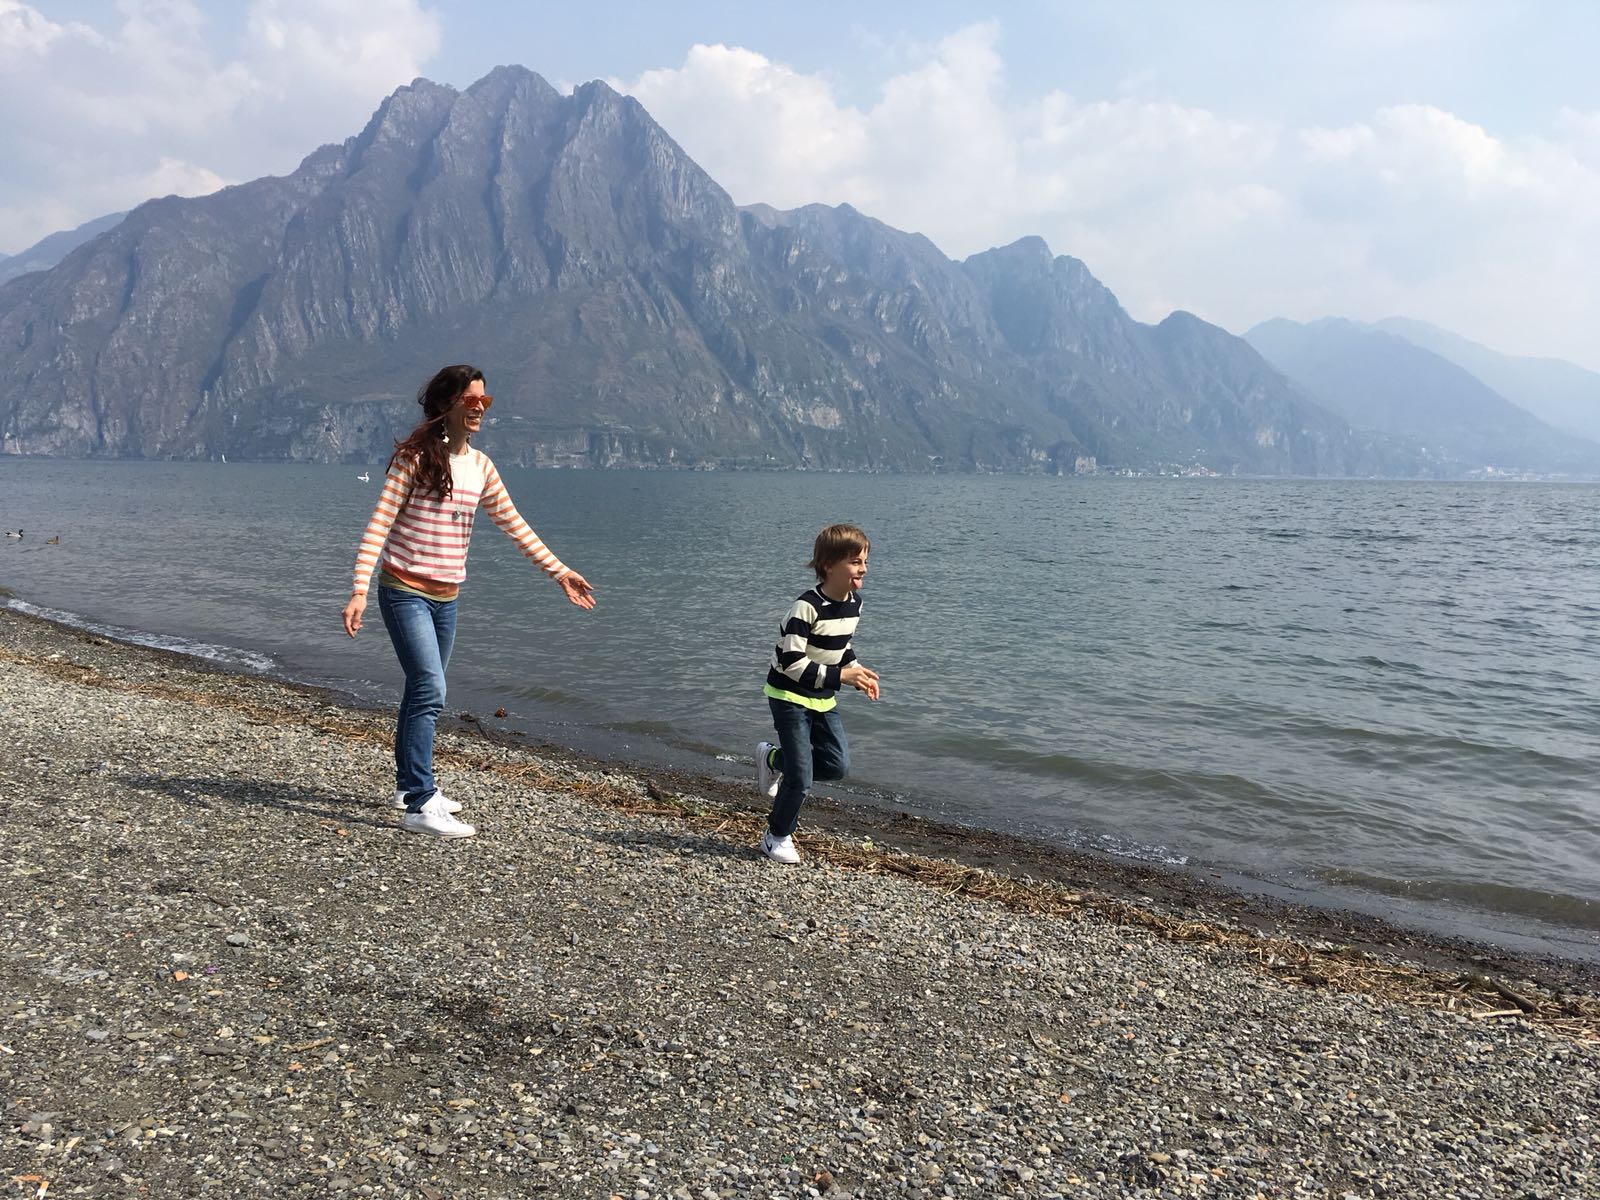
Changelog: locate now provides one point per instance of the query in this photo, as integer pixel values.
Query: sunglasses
(483, 402)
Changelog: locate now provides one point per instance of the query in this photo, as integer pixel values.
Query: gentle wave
(1555, 908)
(228, 656)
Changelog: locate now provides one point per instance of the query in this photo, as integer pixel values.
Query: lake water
(1385, 695)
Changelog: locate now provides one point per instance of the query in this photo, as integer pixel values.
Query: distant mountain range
(1559, 393)
(44, 254)
(627, 314)
(1383, 381)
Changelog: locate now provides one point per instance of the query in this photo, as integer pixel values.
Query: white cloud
(143, 103)
(333, 48)
(26, 30)
(173, 177)
(1411, 209)
(779, 132)
(1580, 132)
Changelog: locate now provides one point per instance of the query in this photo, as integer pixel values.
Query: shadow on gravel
(696, 844)
(210, 793)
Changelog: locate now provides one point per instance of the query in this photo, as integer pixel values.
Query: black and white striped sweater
(813, 647)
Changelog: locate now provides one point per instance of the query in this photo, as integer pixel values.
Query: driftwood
(1501, 990)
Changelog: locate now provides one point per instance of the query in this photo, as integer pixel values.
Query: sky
(1237, 159)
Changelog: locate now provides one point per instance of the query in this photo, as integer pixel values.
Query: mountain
(626, 312)
(1377, 381)
(47, 252)
(1171, 393)
(1559, 393)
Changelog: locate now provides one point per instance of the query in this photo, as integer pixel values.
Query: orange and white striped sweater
(421, 541)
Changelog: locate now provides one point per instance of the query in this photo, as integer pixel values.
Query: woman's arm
(396, 490)
(496, 501)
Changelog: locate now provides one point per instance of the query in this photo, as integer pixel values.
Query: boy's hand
(863, 679)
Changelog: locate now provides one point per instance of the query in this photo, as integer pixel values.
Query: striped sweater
(813, 647)
(421, 541)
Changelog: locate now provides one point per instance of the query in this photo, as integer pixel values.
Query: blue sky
(1239, 160)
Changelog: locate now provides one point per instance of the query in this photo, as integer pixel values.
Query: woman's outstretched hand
(577, 589)
(352, 614)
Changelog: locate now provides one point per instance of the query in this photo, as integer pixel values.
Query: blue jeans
(811, 745)
(423, 631)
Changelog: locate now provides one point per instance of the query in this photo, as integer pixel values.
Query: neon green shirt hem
(810, 702)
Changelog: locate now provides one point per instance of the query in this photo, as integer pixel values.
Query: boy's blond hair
(835, 544)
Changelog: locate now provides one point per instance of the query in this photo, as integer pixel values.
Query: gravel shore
(227, 972)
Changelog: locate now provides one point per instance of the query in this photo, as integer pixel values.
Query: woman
(418, 539)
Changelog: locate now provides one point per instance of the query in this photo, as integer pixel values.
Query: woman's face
(465, 417)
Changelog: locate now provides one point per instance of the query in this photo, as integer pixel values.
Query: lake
(1376, 694)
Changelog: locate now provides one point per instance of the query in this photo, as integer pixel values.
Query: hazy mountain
(1559, 393)
(47, 252)
(1377, 381)
(626, 311)
(1170, 393)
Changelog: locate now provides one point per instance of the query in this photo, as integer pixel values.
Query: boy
(811, 661)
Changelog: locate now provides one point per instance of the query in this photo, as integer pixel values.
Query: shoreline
(226, 971)
(1188, 891)
(1291, 794)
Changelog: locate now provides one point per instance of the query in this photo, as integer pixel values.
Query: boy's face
(845, 575)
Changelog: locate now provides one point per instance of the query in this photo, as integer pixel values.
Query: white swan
(365, 477)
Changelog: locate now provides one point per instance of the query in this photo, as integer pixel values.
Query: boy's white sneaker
(766, 778)
(779, 849)
(436, 820)
(449, 805)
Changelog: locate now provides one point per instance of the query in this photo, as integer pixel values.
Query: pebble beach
(225, 971)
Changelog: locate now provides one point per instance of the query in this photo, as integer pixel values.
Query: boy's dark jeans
(811, 745)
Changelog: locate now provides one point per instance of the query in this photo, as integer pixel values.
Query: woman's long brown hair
(425, 445)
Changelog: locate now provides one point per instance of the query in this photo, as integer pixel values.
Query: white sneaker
(450, 806)
(766, 778)
(436, 820)
(779, 849)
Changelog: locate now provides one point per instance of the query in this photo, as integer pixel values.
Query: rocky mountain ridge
(626, 312)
